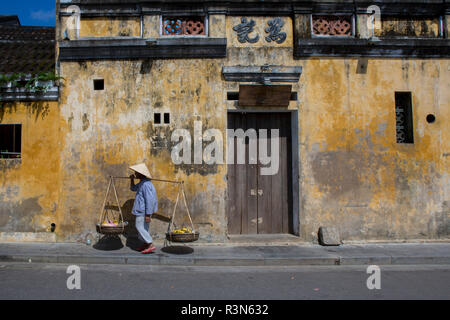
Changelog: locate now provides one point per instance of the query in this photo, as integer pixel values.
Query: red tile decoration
(183, 26)
(332, 25)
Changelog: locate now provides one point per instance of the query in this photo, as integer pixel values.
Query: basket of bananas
(182, 235)
(185, 234)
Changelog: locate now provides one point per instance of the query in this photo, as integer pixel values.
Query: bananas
(182, 230)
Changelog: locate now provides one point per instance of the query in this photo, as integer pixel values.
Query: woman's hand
(132, 177)
(148, 218)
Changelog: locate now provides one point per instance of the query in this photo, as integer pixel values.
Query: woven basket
(182, 237)
(111, 229)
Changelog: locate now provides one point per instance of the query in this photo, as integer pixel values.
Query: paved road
(39, 281)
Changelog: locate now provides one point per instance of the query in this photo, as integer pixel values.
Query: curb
(205, 261)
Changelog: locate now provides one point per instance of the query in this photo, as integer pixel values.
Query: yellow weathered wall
(151, 26)
(353, 174)
(29, 187)
(109, 130)
(110, 27)
(217, 26)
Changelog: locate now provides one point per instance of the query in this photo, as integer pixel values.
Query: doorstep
(265, 240)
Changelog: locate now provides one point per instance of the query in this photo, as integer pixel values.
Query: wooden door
(260, 204)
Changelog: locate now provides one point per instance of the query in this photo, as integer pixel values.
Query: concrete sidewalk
(226, 255)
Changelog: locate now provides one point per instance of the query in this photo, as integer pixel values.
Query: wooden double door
(258, 203)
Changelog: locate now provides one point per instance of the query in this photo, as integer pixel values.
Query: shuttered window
(404, 117)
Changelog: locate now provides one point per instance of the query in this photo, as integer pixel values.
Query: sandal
(149, 250)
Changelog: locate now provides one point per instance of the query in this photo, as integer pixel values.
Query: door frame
(295, 167)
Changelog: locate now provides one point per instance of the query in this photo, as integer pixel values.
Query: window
(183, 26)
(166, 118)
(99, 84)
(232, 95)
(332, 25)
(10, 141)
(404, 117)
(157, 118)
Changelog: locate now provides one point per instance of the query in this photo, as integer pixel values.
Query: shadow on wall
(37, 108)
(7, 107)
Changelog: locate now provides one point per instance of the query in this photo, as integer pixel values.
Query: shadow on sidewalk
(109, 243)
(177, 249)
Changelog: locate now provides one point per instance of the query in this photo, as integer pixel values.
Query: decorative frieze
(261, 31)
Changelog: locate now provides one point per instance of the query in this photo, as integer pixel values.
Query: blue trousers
(143, 229)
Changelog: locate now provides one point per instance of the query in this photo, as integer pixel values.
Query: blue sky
(31, 12)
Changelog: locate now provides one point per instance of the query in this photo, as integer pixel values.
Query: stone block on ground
(329, 236)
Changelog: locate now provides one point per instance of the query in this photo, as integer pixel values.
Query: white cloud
(42, 15)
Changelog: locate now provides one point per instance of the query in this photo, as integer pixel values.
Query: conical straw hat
(142, 169)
